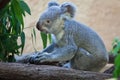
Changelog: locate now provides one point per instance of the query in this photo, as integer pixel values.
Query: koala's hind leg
(83, 60)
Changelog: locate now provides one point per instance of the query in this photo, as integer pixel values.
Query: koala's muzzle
(38, 26)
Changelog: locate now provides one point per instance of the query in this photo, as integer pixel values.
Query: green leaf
(25, 7)
(11, 27)
(22, 41)
(44, 39)
(116, 72)
(17, 11)
(116, 46)
(34, 33)
(49, 36)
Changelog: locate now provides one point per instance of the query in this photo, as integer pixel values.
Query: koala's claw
(42, 58)
(31, 60)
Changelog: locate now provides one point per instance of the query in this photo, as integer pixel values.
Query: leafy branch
(11, 29)
(116, 52)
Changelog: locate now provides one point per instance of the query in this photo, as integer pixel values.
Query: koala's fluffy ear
(69, 9)
(52, 3)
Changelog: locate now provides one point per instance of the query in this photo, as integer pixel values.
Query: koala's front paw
(44, 57)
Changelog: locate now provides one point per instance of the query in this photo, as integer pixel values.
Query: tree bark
(18, 71)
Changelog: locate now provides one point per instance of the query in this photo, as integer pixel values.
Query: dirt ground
(101, 15)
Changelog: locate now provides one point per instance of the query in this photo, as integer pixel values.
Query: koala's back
(85, 37)
(93, 49)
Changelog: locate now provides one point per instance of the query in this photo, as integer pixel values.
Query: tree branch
(17, 71)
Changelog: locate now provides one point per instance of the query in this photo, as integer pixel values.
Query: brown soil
(101, 15)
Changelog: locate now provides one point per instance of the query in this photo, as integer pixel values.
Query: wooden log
(18, 71)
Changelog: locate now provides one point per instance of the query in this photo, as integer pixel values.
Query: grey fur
(52, 3)
(73, 41)
(68, 7)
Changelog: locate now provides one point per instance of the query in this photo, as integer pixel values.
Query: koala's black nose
(38, 25)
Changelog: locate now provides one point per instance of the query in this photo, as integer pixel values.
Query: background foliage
(11, 29)
(45, 38)
(116, 52)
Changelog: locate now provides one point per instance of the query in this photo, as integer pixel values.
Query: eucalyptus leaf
(116, 73)
(25, 7)
(22, 40)
(116, 52)
(49, 36)
(17, 11)
(34, 33)
(11, 28)
(44, 39)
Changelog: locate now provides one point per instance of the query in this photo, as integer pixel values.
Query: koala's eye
(48, 21)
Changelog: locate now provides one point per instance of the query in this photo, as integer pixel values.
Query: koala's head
(54, 16)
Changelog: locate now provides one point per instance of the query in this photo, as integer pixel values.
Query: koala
(73, 41)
